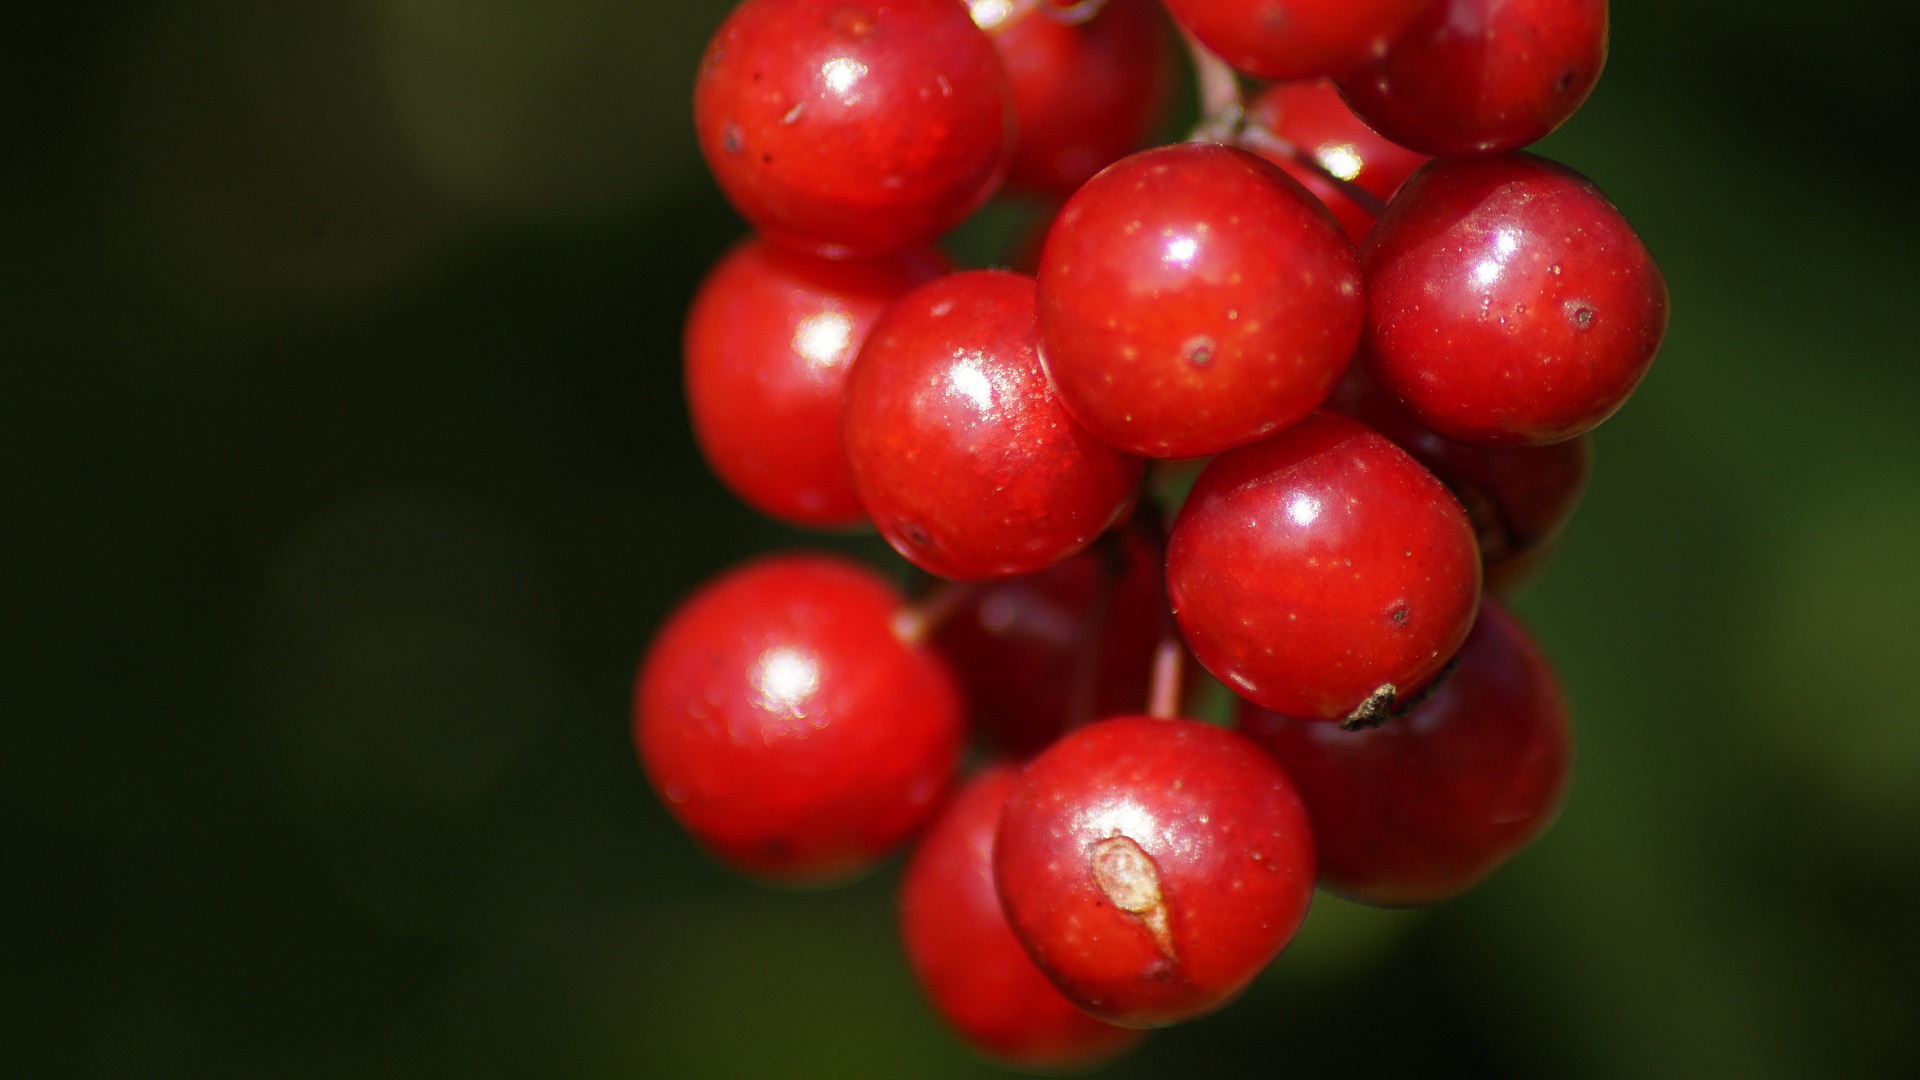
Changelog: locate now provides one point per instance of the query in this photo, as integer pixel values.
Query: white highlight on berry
(784, 681)
(823, 338)
(842, 74)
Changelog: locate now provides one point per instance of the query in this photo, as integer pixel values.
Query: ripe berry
(1153, 867)
(1084, 94)
(1508, 302)
(965, 957)
(1311, 117)
(1424, 807)
(1483, 76)
(785, 724)
(1322, 571)
(854, 127)
(769, 341)
(1296, 39)
(1194, 298)
(960, 450)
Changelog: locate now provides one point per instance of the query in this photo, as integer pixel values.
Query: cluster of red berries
(1375, 438)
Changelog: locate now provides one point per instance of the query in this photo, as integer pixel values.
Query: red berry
(1153, 867)
(1519, 498)
(1193, 298)
(1084, 94)
(965, 957)
(1508, 302)
(769, 341)
(1041, 653)
(1483, 76)
(785, 724)
(1424, 807)
(1322, 571)
(1311, 117)
(1296, 39)
(963, 455)
(854, 127)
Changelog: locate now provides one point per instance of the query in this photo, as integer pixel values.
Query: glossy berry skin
(979, 979)
(1084, 94)
(1312, 569)
(1483, 76)
(1519, 498)
(1194, 298)
(1426, 806)
(768, 343)
(1508, 302)
(853, 127)
(1041, 653)
(1152, 867)
(1312, 117)
(786, 725)
(960, 450)
(1296, 39)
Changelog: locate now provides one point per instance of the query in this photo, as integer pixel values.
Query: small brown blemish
(1130, 881)
(1580, 314)
(731, 140)
(1398, 615)
(1199, 352)
(1376, 710)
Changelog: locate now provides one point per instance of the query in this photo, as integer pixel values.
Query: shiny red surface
(1310, 569)
(1041, 653)
(1483, 76)
(768, 343)
(1226, 842)
(1508, 302)
(1084, 94)
(976, 974)
(786, 726)
(1425, 807)
(960, 450)
(1519, 498)
(1193, 298)
(1312, 116)
(853, 127)
(1296, 39)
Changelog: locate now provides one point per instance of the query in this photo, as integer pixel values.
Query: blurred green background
(348, 476)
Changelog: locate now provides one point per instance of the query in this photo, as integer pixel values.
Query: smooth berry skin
(1475, 77)
(1194, 298)
(965, 957)
(1084, 94)
(788, 727)
(853, 127)
(769, 340)
(958, 446)
(1153, 867)
(1519, 498)
(1312, 569)
(1296, 39)
(1425, 807)
(1312, 117)
(1041, 653)
(1508, 302)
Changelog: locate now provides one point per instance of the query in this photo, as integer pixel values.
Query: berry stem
(916, 622)
(1260, 140)
(994, 17)
(1169, 670)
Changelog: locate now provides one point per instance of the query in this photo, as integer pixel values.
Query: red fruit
(1041, 653)
(787, 727)
(965, 459)
(853, 127)
(1311, 116)
(1084, 94)
(1296, 39)
(768, 344)
(1322, 570)
(1508, 302)
(1519, 498)
(1152, 867)
(965, 957)
(1483, 76)
(1424, 807)
(1193, 298)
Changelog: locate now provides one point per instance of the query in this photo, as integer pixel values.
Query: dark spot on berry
(1398, 615)
(915, 535)
(766, 158)
(1199, 352)
(1580, 314)
(1564, 83)
(731, 140)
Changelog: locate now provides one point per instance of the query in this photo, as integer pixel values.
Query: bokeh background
(348, 476)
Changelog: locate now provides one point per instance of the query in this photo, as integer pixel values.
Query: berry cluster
(1302, 399)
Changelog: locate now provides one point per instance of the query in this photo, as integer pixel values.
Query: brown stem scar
(1376, 710)
(1130, 881)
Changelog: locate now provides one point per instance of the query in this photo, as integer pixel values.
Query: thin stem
(915, 623)
(1222, 109)
(1270, 144)
(1169, 670)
